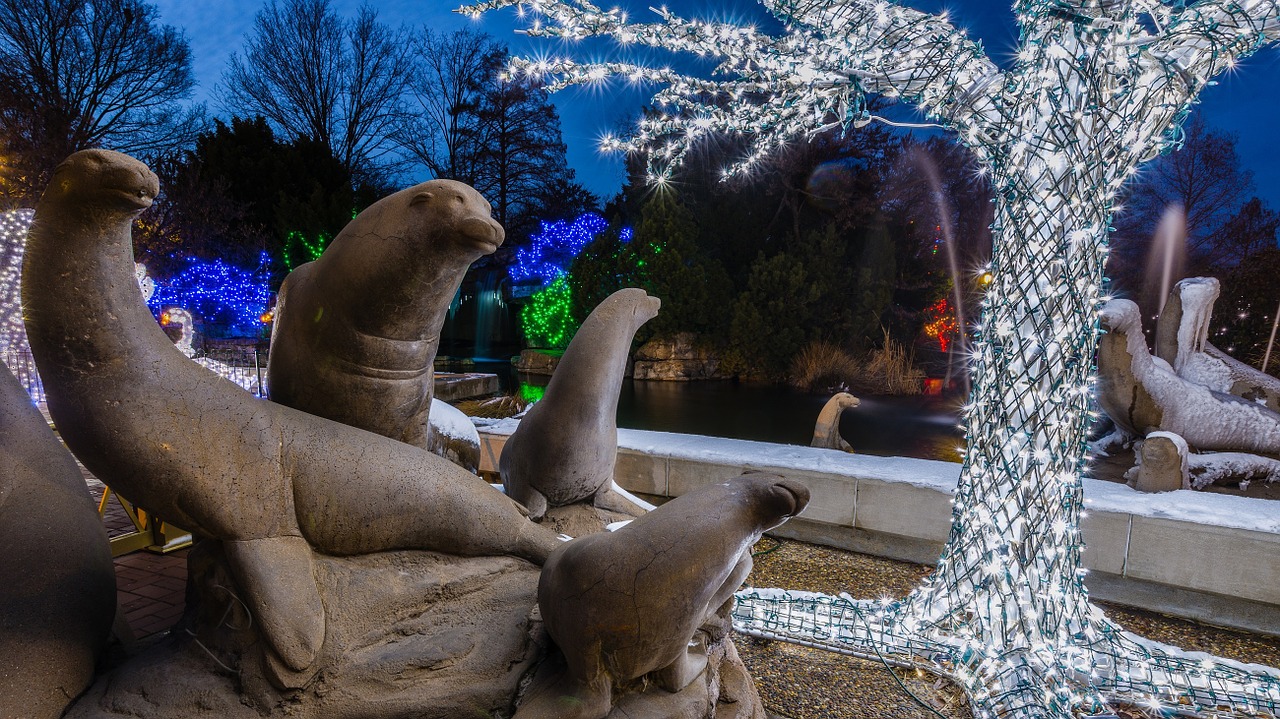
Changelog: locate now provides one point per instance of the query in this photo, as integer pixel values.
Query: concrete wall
(1213, 558)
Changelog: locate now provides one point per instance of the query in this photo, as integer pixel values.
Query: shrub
(823, 367)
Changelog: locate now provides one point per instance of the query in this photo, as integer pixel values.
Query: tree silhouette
(316, 76)
(76, 74)
(1095, 90)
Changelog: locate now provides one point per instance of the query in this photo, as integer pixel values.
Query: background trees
(471, 123)
(314, 75)
(87, 73)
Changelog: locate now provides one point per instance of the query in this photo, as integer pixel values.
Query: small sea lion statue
(565, 448)
(624, 605)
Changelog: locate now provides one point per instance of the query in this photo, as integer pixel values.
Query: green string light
(547, 320)
(298, 249)
(1097, 88)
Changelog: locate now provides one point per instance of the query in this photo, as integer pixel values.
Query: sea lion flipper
(607, 498)
(532, 500)
(279, 587)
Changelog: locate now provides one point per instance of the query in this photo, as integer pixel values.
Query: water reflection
(917, 426)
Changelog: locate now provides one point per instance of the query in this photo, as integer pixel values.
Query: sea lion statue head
(456, 211)
(109, 182)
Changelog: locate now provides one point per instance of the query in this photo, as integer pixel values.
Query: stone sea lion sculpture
(1142, 394)
(1182, 340)
(626, 604)
(565, 448)
(60, 585)
(356, 331)
(826, 431)
(271, 482)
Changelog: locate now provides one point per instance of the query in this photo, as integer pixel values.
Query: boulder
(678, 358)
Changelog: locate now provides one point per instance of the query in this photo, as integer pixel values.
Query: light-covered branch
(811, 78)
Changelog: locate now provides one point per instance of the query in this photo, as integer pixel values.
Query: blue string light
(220, 293)
(552, 250)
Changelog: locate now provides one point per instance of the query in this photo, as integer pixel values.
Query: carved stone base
(409, 634)
(724, 691)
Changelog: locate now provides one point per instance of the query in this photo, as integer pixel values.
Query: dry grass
(499, 407)
(823, 367)
(891, 370)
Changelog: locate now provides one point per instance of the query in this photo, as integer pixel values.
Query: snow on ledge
(1221, 510)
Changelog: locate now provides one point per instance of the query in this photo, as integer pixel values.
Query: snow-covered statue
(1143, 395)
(1182, 333)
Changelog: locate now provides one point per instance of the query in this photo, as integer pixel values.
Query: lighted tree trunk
(1095, 87)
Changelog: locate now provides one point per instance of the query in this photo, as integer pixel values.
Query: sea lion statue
(826, 431)
(60, 585)
(272, 483)
(565, 448)
(356, 331)
(626, 604)
(1142, 394)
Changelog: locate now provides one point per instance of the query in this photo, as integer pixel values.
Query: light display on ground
(1096, 89)
(219, 292)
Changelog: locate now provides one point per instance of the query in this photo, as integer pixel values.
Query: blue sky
(1246, 102)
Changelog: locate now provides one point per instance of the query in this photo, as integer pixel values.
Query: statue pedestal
(408, 634)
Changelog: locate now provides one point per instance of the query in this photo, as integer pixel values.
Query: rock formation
(677, 358)
(626, 605)
(564, 450)
(356, 331)
(59, 585)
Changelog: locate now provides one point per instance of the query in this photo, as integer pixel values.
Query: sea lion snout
(485, 232)
(788, 497)
(106, 176)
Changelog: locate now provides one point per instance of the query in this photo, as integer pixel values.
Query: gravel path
(801, 683)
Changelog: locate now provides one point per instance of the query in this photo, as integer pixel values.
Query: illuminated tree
(1096, 89)
(547, 320)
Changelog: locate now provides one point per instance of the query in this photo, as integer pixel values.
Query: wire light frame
(1097, 88)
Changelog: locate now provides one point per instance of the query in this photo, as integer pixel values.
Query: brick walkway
(150, 588)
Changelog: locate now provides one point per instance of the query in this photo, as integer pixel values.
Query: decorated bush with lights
(547, 320)
(220, 293)
(1096, 89)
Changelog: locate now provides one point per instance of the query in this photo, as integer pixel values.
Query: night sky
(1246, 102)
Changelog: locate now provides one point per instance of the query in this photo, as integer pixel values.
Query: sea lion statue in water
(624, 605)
(356, 331)
(272, 483)
(565, 448)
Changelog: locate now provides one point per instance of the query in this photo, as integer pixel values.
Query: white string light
(1097, 88)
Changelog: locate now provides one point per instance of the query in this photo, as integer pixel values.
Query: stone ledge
(1211, 558)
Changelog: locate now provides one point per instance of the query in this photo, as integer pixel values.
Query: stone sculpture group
(340, 569)
(1195, 415)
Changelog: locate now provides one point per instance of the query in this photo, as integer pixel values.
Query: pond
(906, 426)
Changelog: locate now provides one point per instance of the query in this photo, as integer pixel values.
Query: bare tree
(311, 74)
(1204, 178)
(87, 73)
(442, 131)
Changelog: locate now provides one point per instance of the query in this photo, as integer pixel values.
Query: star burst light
(1097, 88)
